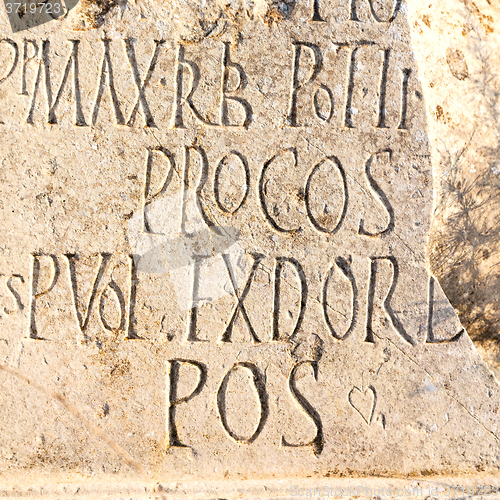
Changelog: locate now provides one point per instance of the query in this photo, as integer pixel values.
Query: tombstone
(214, 280)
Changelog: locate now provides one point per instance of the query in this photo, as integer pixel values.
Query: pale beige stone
(190, 298)
(457, 44)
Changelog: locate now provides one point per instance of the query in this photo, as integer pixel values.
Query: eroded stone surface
(214, 253)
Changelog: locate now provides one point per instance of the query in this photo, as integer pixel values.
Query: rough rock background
(456, 43)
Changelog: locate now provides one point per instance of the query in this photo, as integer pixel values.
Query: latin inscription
(350, 297)
(30, 66)
(59, 273)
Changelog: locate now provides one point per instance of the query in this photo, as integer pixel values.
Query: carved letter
(83, 320)
(324, 117)
(26, 60)
(260, 388)
(141, 86)
(316, 15)
(16, 298)
(317, 442)
(404, 99)
(383, 198)
(44, 67)
(131, 332)
(36, 293)
(199, 188)
(113, 288)
(391, 18)
(177, 119)
(296, 83)
(280, 261)
(148, 196)
(263, 189)
(107, 68)
(354, 10)
(344, 266)
(15, 58)
(314, 221)
(227, 65)
(193, 311)
(350, 89)
(383, 90)
(222, 163)
(387, 302)
(173, 399)
(240, 307)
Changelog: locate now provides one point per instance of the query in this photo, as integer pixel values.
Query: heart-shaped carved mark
(364, 402)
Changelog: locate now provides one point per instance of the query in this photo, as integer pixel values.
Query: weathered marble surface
(215, 220)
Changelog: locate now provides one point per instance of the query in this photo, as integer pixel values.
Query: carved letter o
(259, 385)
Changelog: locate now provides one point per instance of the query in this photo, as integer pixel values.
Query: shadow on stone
(465, 247)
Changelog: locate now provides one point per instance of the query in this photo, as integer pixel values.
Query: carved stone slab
(213, 255)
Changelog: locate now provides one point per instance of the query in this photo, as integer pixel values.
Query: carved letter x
(141, 86)
(240, 307)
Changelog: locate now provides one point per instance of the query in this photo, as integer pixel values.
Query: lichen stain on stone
(195, 20)
(487, 21)
(199, 21)
(272, 11)
(92, 13)
(457, 63)
(441, 115)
